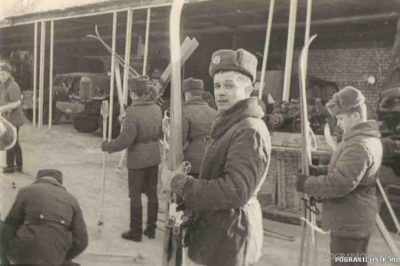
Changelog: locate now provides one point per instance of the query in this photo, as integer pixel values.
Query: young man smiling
(227, 227)
(347, 184)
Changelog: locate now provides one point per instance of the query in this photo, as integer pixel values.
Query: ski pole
(104, 113)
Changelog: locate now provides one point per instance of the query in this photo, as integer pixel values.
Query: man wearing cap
(10, 109)
(227, 227)
(45, 225)
(197, 118)
(141, 132)
(347, 184)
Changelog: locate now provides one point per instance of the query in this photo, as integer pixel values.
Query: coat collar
(369, 128)
(48, 181)
(241, 110)
(140, 102)
(195, 101)
(8, 82)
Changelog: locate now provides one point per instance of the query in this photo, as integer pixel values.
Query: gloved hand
(166, 126)
(167, 175)
(104, 146)
(300, 181)
(121, 118)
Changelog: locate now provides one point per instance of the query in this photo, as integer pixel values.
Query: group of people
(229, 150)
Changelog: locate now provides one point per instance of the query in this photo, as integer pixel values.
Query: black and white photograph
(200, 132)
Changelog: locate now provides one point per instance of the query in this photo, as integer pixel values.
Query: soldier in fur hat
(141, 132)
(347, 184)
(197, 118)
(45, 225)
(10, 108)
(227, 227)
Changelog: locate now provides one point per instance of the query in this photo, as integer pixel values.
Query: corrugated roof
(23, 7)
(51, 5)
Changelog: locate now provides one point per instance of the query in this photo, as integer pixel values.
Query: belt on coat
(45, 221)
(146, 141)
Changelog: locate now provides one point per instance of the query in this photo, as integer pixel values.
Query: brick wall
(352, 66)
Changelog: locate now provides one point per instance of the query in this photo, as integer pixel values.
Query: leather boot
(135, 233)
(152, 213)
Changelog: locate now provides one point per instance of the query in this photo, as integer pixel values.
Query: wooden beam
(41, 71)
(128, 46)
(266, 46)
(35, 55)
(146, 42)
(51, 74)
(289, 50)
(113, 61)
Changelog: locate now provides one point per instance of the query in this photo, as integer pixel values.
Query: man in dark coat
(347, 184)
(197, 118)
(141, 132)
(45, 226)
(10, 108)
(227, 228)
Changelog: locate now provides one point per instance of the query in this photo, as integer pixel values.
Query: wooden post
(128, 46)
(112, 77)
(51, 74)
(41, 73)
(266, 47)
(146, 42)
(35, 55)
(307, 34)
(289, 50)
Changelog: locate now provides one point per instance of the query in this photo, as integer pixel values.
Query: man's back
(197, 119)
(49, 223)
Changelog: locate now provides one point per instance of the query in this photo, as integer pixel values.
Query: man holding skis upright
(347, 184)
(227, 227)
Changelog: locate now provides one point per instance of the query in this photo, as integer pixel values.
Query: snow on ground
(79, 157)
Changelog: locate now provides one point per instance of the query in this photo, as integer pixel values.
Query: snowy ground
(79, 157)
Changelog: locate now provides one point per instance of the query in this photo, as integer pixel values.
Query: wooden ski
(309, 208)
(172, 252)
(119, 58)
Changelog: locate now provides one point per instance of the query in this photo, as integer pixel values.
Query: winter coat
(49, 225)
(197, 118)
(141, 132)
(348, 186)
(228, 221)
(10, 92)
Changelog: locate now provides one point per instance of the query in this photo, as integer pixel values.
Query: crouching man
(45, 226)
(227, 227)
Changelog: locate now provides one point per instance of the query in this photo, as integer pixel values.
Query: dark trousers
(14, 155)
(343, 245)
(143, 180)
(7, 233)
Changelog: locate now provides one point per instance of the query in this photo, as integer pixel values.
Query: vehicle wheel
(116, 127)
(85, 124)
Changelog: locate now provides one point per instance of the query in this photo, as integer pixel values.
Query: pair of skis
(174, 253)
